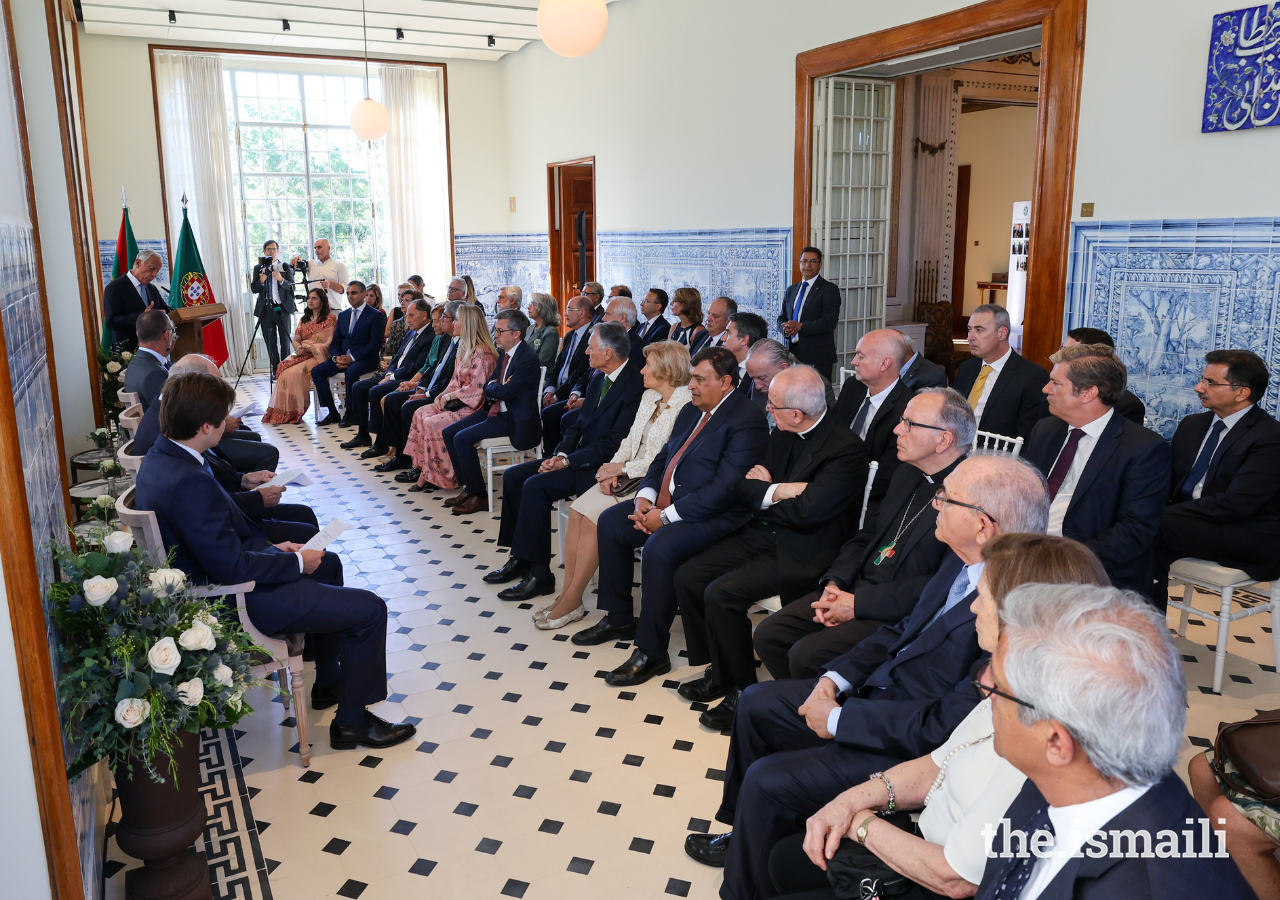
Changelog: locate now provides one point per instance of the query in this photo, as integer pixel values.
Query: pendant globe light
(369, 118)
(572, 27)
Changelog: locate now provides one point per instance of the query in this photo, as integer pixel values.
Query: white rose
(164, 656)
(104, 500)
(234, 700)
(118, 542)
(223, 675)
(113, 366)
(98, 590)
(132, 712)
(126, 356)
(191, 692)
(165, 580)
(197, 637)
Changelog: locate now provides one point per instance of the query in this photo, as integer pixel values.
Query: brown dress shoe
(472, 505)
(458, 500)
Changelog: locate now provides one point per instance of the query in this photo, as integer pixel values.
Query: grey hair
(956, 416)
(515, 319)
(999, 313)
(192, 362)
(627, 306)
(1100, 661)
(513, 292)
(546, 308)
(459, 280)
(802, 389)
(772, 352)
(451, 307)
(613, 336)
(146, 255)
(1010, 489)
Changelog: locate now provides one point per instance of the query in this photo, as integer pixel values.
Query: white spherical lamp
(370, 119)
(572, 27)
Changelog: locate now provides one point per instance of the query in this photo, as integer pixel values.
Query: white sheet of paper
(326, 536)
(250, 409)
(290, 476)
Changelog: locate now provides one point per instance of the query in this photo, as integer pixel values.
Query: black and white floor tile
(529, 776)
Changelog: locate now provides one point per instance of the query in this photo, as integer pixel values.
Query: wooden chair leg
(298, 684)
(282, 681)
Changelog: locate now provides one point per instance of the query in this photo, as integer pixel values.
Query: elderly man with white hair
(1089, 702)
(765, 360)
(509, 297)
(129, 296)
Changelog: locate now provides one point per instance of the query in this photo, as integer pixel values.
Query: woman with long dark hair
(292, 394)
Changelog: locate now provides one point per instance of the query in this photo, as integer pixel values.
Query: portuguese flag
(188, 286)
(126, 253)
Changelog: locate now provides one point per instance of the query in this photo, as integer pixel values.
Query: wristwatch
(862, 829)
(662, 517)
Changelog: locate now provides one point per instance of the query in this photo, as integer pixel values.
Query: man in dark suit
(1108, 478)
(512, 413)
(297, 590)
(873, 403)
(653, 325)
(1004, 389)
(810, 311)
(801, 498)
(1128, 405)
(530, 490)
(879, 574)
(895, 696)
(570, 364)
(687, 502)
(744, 330)
(274, 307)
(126, 298)
(765, 360)
(149, 367)
(1224, 498)
(918, 372)
(623, 311)
(411, 395)
(1098, 751)
(356, 342)
(364, 402)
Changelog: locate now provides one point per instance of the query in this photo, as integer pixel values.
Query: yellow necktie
(975, 393)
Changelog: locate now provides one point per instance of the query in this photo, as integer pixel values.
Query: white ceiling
(432, 28)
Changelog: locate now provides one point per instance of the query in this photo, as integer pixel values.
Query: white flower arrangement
(98, 590)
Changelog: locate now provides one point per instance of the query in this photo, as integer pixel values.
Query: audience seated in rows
(765, 360)
(666, 374)
(353, 352)
(570, 365)
(291, 394)
(879, 573)
(1128, 405)
(686, 307)
(803, 498)
(717, 323)
(918, 372)
(364, 400)
(744, 331)
(652, 326)
(1003, 388)
(149, 367)
(544, 336)
(594, 292)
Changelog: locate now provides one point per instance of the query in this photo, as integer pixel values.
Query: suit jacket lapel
(889, 404)
(1103, 450)
(1235, 434)
(1003, 380)
(716, 422)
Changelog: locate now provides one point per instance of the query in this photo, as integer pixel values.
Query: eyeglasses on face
(941, 497)
(984, 692)
(910, 424)
(1207, 383)
(505, 330)
(771, 408)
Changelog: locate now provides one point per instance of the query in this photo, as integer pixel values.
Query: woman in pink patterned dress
(476, 361)
(311, 342)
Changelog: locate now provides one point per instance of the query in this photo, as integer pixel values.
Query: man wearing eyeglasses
(1224, 499)
(797, 744)
(570, 365)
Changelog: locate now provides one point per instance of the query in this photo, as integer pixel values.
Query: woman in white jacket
(666, 372)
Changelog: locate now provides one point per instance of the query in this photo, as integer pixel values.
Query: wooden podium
(189, 322)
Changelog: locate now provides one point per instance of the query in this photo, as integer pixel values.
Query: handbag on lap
(1253, 748)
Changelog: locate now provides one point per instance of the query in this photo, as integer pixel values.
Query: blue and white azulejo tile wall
(493, 260)
(1169, 292)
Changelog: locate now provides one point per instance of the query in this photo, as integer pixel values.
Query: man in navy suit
(810, 311)
(653, 325)
(530, 490)
(743, 332)
(364, 402)
(412, 395)
(717, 322)
(1224, 499)
(356, 342)
(1003, 388)
(129, 296)
(512, 412)
(687, 502)
(1089, 702)
(570, 365)
(296, 590)
(893, 697)
(918, 372)
(1108, 478)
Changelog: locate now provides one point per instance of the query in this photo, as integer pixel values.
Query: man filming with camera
(272, 285)
(325, 272)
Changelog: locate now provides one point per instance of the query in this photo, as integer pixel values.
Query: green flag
(126, 253)
(188, 286)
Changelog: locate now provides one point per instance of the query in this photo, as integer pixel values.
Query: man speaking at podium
(129, 296)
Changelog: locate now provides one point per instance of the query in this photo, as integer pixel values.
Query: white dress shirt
(715, 340)
(511, 354)
(574, 342)
(1072, 826)
(651, 495)
(138, 286)
(1084, 449)
(768, 495)
(1228, 423)
(998, 367)
(612, 377)
(808, 292)
(329, 270)
(876, 400)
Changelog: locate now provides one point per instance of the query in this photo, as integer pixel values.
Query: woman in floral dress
(292, 394)
(477, 359)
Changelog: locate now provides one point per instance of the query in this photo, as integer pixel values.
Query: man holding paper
(297, 589)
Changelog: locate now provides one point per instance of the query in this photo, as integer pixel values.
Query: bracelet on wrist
(888, 786)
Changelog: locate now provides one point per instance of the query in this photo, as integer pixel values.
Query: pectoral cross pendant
(885, 552)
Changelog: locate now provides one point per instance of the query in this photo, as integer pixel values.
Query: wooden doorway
(959, 254)
(571, 189)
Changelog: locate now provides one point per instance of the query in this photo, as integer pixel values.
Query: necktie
(1016, 872)
(604, 390)
(864, 413)
(975, 393)
(1201, 466)
(502, 376)
(882, 677)
(1063, 465)
(568, 359)
(795, 311)
(440, 368)
(664, 493)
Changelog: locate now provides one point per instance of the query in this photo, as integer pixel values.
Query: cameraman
(272, 284)
(325, 272)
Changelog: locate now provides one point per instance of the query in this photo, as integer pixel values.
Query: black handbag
(855, 873)
(453, 405)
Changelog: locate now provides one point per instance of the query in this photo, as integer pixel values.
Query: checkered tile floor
(529, 776)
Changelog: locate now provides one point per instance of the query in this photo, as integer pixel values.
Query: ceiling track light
(173, 17)
(284, 25)
(493, 41)
(399, 34)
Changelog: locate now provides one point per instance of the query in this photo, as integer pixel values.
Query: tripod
(253, 337)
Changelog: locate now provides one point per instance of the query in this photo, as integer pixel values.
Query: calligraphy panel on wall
(1242, 89)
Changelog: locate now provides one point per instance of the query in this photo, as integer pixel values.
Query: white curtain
(197, 161)
(417, 175)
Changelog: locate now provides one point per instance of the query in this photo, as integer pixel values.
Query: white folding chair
(125, 457)
(131, 418)
(872, 468)
(284, 661)
(128, 398)
(500, 448)
(989, 440)
(1210, 577)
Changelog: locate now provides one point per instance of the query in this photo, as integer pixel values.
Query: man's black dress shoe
(602, 632)
(371, 732)
(344, 422)
(708, 849)
(528, 587)
(324, 697)
(373, 451)
(511, 570)
(392, 464)
(409, 477)
(360, 440)
(638, 669)
(330, 419)
(720, 717)
(702, 689)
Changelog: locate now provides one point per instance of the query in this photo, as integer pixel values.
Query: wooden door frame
(554, 260)
(1062, 59)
